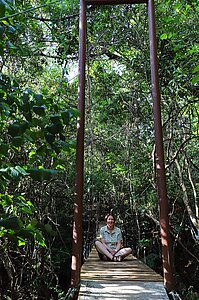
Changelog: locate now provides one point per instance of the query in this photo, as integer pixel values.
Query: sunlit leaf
(163, 36)
(21, 242)
(196, 69)
(195, 79)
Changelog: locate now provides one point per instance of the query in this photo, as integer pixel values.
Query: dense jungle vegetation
(39, 43)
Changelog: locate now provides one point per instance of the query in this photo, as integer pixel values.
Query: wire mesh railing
(89, 237)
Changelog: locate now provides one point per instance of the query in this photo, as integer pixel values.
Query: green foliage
(144, 242)
(38, 47)
(37, 147)
(153, 260)
(33, 125)
(23, 127)
(14, 226)
(191, 295)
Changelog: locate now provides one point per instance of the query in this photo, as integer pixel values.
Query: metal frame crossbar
(160, 166)
(114, 2)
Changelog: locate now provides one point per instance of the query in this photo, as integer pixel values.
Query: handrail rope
(71, 293)
(175, 295)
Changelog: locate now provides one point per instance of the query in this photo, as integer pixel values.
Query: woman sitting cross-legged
(110, 244)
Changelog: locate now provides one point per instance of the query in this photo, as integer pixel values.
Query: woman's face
(110, 221)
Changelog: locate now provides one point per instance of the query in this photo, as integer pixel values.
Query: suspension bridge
(94, 273)
(129, 279)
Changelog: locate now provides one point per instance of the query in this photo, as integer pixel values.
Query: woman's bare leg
(102, 249)
(124, 252)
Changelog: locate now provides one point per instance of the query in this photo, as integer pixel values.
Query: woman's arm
(119, 245)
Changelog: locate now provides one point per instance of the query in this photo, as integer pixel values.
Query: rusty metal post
(79, 182)
(161, 177)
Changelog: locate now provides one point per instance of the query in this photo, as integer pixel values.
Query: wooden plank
(125, 290)
(130, 269)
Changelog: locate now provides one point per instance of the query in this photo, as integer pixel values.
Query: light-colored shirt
(111, 239)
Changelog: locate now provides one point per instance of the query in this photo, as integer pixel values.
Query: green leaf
(2, 9)
(21, 170)
(27, 210)
(74, 112)
(42, 174)
(2, 94)
(35, 135)
(55, 118)
(34, 222)
(21, 242)
(195, 79)
(65, 117)
(10, 223)
(18, 141)
(39, 110)
(10, 99)
(4, 149)
(55, 128)
(28, 116)
(4, 107)
(42, 150)
(1, 48)
(24, 125)
(39, 99)
(11, 46)
(56, 148)
(1, 28)
(50, 138)
(39, 238)
(49, 229)
(72, 144)
(3, 3)
(196, 69)
(163, 36)
(11, 29)
(6, 200)
(25, 233)
(38, 122)
(14, 129)
(11, 173)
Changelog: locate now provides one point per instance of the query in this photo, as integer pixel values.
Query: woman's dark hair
(108, 215)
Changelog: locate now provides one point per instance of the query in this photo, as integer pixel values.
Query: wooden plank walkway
(129, 279)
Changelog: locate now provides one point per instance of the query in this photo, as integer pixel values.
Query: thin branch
(185, 195)
(193, 187)
(55, 20)
(187, 250)
(177, 152)
(49, 56)
(181, 223)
